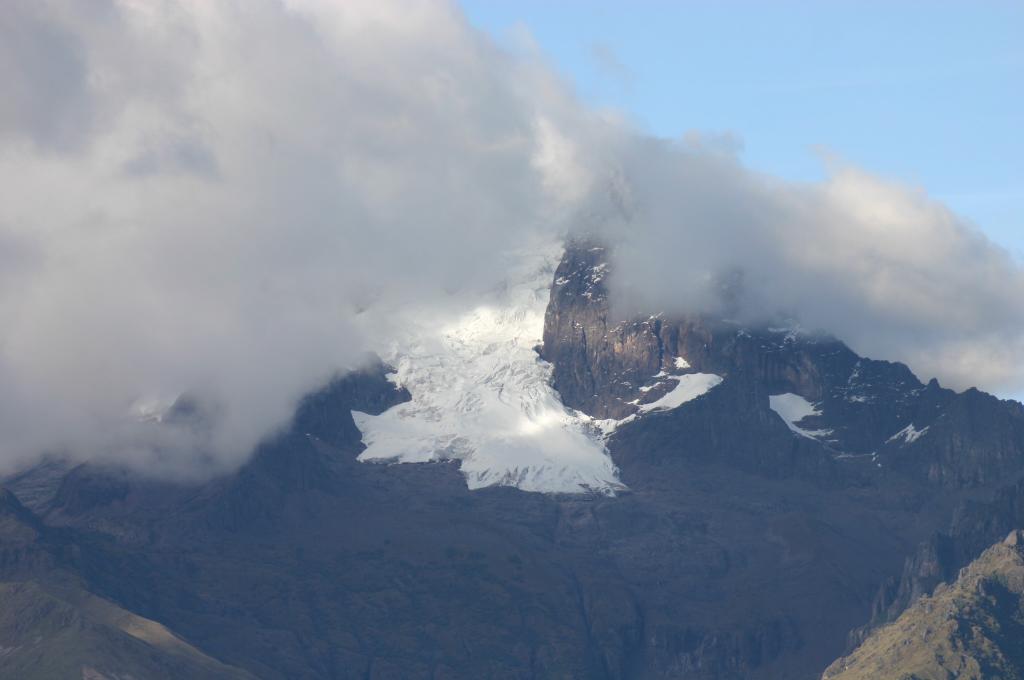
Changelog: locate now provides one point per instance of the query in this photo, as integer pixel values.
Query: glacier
(482, 396)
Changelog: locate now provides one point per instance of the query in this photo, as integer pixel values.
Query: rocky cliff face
(609, 368)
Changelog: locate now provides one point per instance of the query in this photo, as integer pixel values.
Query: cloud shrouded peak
(205, 198)
(884, 267)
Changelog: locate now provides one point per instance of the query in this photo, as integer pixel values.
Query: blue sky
(927, 93)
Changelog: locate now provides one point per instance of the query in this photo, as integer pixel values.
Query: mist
(210, 198)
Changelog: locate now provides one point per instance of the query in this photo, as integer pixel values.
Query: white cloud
(221, 187)
(200, 196)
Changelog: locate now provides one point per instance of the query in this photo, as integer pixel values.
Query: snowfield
(688, 388)
(793, 408)
(909, 434)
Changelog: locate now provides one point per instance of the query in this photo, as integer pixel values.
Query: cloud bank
(201, 196)
(212, 198)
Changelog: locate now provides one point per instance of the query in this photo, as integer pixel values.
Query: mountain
(653, 497)
(972, 628)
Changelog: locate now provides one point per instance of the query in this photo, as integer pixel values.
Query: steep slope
(974, 526)
(54, 632)
(52, 628)
(972, 629)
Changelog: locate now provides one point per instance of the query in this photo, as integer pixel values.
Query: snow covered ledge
(793, 408)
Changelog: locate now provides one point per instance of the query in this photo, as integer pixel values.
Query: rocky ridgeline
(605, 367)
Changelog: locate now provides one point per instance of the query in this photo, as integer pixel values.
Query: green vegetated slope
(972, 629)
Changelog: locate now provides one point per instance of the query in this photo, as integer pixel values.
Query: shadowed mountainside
(746, 545)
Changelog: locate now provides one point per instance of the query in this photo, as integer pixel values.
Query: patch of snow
(482, 396)
(855, 374)
(793, 408)
(688, 388)
(681, 363)
(152, 410)
(909, 434)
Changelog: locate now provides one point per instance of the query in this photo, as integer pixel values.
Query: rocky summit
(767, 502)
